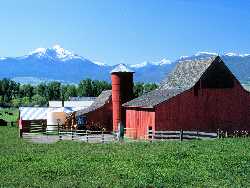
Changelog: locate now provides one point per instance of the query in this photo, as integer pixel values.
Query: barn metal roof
(40, 113)
(82, 98)
(185, 75)
(100, 101)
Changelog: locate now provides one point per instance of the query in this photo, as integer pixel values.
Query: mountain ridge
(57, 63)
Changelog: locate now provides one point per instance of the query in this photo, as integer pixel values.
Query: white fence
(87, 136)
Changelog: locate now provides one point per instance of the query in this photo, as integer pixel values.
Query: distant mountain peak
(62, 53)
(139, 65)
(99, 63)
(57, 63)
(38, 51)
(205, 53)
(232, 54)
(183, 57)
(164, 61)
(121, 68)
(56, 52)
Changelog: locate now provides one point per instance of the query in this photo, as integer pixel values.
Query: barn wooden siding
(138, 121)
(212, 109)
(101, 117)
(227, 109)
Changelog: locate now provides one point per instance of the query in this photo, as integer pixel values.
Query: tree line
(13, 94)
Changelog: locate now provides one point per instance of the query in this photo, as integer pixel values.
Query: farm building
(40, 114)
(75, 103)
(44, 115)
(98, 114)
(107, 112)
(198, 95)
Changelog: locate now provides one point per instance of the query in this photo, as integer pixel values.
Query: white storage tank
(54, 119)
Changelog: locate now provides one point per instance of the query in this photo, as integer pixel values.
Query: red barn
(198, 95)
(99, 114)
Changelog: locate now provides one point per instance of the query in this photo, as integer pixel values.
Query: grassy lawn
(9, 114)
(224, 162)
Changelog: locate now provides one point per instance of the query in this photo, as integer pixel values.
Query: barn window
(218, 76)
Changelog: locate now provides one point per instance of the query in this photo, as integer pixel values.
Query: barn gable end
(217, 76)
(205, 73)
(187, 73)
(216, 101)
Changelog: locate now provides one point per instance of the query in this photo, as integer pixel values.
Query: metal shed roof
(40, 113)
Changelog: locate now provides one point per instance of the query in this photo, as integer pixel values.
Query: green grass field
(4, 114)
(223, 163)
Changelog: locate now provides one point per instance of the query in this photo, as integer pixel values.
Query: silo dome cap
(121, 68)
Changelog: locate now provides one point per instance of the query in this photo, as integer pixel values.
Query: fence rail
(181, 135)
(86, 136)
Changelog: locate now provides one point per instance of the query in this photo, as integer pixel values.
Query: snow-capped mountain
(53, 63)
(54, 53)
(56, 63)
(235, 55)
(147, 63)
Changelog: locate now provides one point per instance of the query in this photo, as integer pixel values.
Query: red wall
(101, 117)
(226, 109)
(138, 121)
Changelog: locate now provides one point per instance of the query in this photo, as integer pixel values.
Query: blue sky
(128, 31)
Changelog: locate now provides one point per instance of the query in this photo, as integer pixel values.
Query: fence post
(181, 135)
(120, 131)
(153, 135)
(72, 134)
(60, 136)
(218, 133)
(102, 137)
(148, 135)
(20, 125)
(20, 133)
(87, 138)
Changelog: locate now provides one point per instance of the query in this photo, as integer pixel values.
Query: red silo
(122, 91)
